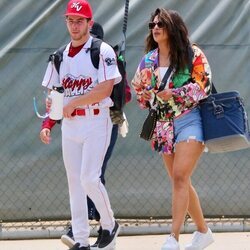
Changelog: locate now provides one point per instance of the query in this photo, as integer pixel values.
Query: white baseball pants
(85, 140)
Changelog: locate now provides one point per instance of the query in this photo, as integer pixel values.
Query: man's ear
(91, 22)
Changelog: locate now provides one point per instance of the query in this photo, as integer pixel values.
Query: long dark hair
(177, 37)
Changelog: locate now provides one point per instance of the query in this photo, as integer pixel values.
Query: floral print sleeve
(190, 94)
(141, 80)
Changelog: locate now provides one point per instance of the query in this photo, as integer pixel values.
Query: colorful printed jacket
(187, 88)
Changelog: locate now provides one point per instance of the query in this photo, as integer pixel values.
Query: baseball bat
(124, 29)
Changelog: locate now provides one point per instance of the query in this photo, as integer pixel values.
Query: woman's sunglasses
(151, 25)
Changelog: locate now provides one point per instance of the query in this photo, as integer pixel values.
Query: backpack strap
(57, 57)
(95, 51)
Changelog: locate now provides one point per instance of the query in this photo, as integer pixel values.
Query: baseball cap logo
(79, 8)
(76, 6)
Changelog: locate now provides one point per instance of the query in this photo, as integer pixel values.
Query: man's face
(78, 27)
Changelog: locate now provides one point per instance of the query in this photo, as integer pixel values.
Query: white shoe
(171, 244)
(200, 240)
(68, 238)
(68, 241)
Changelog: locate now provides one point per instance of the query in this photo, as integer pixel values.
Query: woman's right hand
(147, 95)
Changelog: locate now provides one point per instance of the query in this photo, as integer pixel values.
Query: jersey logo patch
(76, 86)
(110, 61)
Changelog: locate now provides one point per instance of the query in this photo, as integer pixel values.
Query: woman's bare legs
(180, 166)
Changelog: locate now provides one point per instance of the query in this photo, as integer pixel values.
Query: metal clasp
(218, 109)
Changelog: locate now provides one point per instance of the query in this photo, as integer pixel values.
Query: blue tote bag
(225, 122)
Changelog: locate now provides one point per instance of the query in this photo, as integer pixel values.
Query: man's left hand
(68, 110)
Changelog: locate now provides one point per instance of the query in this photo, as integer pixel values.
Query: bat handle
(125, 19)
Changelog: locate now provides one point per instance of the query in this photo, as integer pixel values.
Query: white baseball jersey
(85, 138)
(78, 75)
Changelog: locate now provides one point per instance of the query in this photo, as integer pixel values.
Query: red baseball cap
(79, 8)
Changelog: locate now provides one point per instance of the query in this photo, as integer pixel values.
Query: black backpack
(118, 93)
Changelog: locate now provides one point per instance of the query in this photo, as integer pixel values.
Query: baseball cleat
(77, 247)
(107, 241)
(95, 245)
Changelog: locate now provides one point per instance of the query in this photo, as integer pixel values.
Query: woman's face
(159, 31)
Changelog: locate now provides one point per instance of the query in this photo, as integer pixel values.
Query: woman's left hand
(165, 95)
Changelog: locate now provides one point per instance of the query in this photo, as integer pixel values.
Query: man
(68, 238)
(86, 127)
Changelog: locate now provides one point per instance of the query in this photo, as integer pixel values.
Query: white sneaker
(69, 242)
(171, 244)
(200, 240)
(68, 238)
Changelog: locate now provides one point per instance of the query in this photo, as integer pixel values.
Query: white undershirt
(163, 70)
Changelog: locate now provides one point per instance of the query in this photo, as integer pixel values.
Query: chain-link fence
(33, 185)
(54, 229)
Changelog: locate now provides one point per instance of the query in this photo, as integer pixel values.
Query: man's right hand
(45, 135)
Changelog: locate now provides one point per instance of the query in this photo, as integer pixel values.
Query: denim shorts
(188, 126)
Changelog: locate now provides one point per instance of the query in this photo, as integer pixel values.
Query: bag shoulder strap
(163, 83)
(165, 78)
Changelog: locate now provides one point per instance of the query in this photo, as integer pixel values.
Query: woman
(178, 134)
